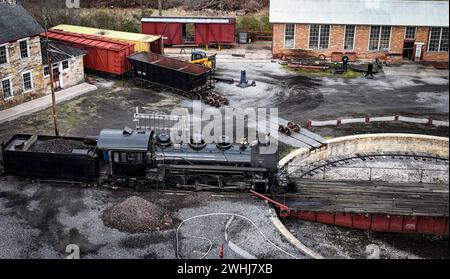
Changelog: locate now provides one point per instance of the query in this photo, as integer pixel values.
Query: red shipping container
(103, 55)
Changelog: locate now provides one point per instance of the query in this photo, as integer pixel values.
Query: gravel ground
(136, 215)
(40, 220)
(384, 169)
(342, 243)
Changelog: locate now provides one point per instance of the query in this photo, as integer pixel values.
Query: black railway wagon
(173, 73)
(47, 157)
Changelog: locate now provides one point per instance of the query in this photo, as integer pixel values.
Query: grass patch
(323, 73)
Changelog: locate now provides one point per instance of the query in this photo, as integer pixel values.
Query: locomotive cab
(124, 152)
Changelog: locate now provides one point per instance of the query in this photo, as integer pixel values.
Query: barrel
(243, 37)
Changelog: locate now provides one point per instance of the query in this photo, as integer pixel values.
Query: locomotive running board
(213, 168)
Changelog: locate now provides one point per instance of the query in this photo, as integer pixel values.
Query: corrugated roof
(361, 12)
(119, 35)
(110, 139)
(190, 19)
(59, 52)
(16, 23)
(89, 40)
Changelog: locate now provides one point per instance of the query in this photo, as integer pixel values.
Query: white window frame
(62, 65)
(354, 37)
(379, 38)
(440, 40)
(43, 71)
(319, 35)
(7, 53)
(10, 86)
(415, 33)
(31, 80)
(284, 35)
(28, 48)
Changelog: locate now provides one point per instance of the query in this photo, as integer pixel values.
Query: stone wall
(371, 143)
(70, 77)
(16, 67)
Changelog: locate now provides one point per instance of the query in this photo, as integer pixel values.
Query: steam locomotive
(144, 160)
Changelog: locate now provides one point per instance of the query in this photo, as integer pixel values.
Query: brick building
(364, 29)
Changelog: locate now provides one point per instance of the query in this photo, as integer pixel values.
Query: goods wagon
(169, 72)
(142, 42)
(205, 30)
(103, 55)
(64, 158)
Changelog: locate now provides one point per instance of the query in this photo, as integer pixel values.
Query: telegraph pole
(52, 88)
(160, 7)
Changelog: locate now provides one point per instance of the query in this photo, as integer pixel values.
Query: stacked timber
(416, 199)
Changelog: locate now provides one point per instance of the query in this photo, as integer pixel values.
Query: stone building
(364, 29)
(67, 65)
(21, 70)
(24, 70)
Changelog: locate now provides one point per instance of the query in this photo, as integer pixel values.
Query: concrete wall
(16, 67)
(371, 143)
(361, 47)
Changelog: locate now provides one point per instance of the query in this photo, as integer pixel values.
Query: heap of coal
(135, 215)
(57, 146)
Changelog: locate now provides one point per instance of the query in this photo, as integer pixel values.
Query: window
(116, 157)
(349, 37)
(438, 39)
(410, 33)
(6, 88)
(319, 36)
(289, 35)
(24, 53)
(27, 81)
(46, 71)
(380, 38)
(65, 65)
(3, 55)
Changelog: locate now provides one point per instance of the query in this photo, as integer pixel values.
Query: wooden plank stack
(417, 199)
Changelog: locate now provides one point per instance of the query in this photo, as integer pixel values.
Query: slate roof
(16, 23)
(59, 52)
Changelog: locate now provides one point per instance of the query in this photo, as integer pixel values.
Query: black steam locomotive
(143, 160)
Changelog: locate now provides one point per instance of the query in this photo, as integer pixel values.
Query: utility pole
(50, 69)
(160, 7)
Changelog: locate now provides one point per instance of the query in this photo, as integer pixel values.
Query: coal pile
(135, 215)
(57, 146)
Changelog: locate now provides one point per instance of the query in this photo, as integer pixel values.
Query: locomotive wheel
(172, 181)
(287, 131)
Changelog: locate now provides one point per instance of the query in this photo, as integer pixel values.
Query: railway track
(315, 168)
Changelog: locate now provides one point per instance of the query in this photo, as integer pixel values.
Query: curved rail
(369, 156)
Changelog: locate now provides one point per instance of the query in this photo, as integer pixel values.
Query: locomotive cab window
(128, 158)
